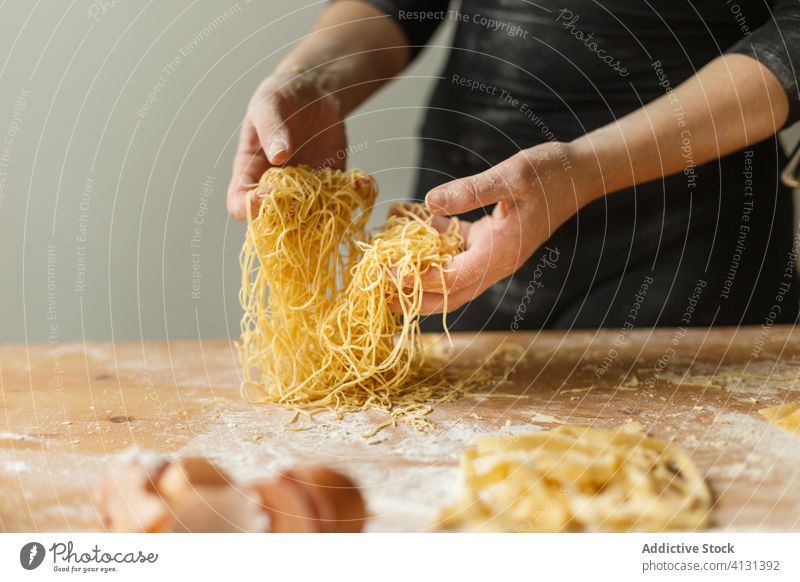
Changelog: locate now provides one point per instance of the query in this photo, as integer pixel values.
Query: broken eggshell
(147, 493)
(313, 499)
(127, 499)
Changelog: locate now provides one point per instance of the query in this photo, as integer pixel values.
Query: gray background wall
(99, 197)
(88, 162)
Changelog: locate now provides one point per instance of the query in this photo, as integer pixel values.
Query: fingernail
(362, 184)
(276, 148)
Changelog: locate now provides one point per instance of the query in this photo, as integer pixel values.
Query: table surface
(70, 410)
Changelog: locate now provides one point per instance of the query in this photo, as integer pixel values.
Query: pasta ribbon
(577, 478)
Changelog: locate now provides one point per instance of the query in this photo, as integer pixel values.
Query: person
(616, 164)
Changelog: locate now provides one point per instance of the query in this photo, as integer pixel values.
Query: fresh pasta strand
(318, 331)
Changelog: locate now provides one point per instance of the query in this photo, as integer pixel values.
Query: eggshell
(127, 500)
(181, 477)
(289, 508)
(313, 499)
(338, 501)
(217, 509)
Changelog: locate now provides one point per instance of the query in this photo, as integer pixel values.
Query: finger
(492, 253)
(432, 303)
(364, 186)
(473, 266)
(442, 224)
(466, 276)
(470, 270)
(273, 135)
(465, 194)
(248, 166)
(432, 278)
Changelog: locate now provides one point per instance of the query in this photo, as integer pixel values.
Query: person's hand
(535, 191)
(290, 118)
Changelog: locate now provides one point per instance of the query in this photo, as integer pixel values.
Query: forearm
(731, 103)
(353, 49)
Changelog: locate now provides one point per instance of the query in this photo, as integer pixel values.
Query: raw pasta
(786, 416)
(577, 478)
(318, 331)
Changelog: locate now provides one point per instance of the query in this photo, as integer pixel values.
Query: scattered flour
(13, 467)
(405, 474)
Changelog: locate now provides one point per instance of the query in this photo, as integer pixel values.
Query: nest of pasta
(577, 478)
(319, 331)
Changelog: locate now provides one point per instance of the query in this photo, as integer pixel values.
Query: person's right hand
(291, 118)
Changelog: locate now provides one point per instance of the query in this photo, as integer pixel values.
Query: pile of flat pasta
(576, 478)
(786, 416)
(319, 331)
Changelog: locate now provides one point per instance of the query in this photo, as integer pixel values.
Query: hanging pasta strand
(318, 331)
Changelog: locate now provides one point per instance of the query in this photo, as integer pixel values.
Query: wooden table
(70, 410)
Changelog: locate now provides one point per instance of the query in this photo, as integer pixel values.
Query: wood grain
(70, 410)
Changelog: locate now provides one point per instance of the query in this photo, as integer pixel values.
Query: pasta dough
(786, 416)
(318, 331)
(577, 478)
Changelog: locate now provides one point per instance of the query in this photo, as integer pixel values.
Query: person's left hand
(535, 191)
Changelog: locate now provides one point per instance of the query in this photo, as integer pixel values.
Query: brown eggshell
(289, 508)
(217, 509)
(338, 501)
(149, 494)
(126, 497)
(180, 478)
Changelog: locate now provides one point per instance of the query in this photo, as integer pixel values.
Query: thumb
(467, 194)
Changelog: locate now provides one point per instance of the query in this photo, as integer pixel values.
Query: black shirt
(713, 245)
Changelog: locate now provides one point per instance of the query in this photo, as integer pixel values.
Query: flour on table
(405, 474)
